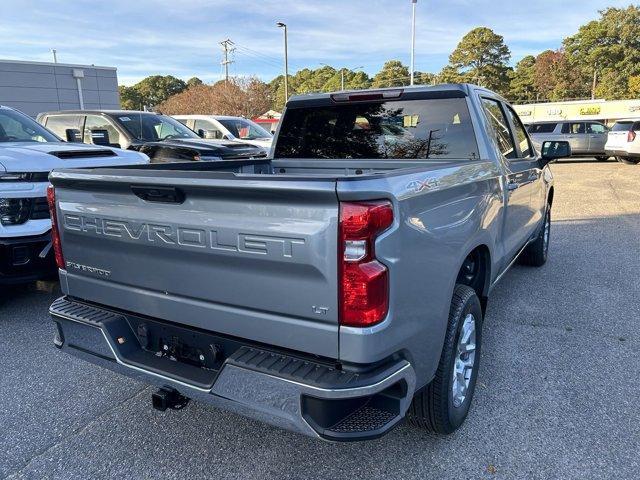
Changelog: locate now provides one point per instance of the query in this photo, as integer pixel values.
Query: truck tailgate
(255, 259)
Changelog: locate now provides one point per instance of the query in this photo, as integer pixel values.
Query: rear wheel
(536, 252)
(442, 406)
(628, 160)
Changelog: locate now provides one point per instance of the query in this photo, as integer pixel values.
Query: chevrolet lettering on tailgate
(226, 240)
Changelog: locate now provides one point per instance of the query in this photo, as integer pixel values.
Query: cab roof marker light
(366, 95)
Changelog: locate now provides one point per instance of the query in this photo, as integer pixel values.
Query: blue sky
(181, 37)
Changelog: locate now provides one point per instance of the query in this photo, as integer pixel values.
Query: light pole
(342, 75)
(286, 62)
(55, 56)
(413, 37)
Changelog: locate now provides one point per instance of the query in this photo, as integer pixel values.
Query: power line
(267, 58)
(263, 60)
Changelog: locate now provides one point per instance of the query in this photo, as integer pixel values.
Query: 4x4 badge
(419, 185)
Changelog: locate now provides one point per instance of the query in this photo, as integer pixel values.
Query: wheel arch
(481, 280)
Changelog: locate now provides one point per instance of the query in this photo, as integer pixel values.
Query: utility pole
(55, 57)
(342, 79)
(286, 62)
(595, 79)
(413, 37)
(227, 47)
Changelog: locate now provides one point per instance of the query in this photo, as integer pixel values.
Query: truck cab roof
(447, 90)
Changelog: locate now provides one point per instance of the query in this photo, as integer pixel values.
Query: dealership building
(35, 87)
(607, 111)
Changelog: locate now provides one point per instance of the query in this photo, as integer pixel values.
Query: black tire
(536, 252)
(628, 160)
(433, 407)
(602, 158)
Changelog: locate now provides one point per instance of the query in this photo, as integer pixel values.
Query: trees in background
(193, 81)
(608, 47)
(152, 91)
(482, 58)
(247, 97)
(323, 79)
(393, 74)
(522, 86)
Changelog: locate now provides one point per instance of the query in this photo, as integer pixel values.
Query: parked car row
(592, 138)
(161, 137)
(90, 138)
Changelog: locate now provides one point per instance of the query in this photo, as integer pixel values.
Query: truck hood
(264, 144)
(220, 148)
(41, 156)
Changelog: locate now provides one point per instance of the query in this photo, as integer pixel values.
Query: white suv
(218, 127)
(623, 141)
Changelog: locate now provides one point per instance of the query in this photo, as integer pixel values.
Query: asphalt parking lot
(558, 393)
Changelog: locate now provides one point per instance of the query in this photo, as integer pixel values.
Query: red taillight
(631, 136)
(55, 234)
(364, 282)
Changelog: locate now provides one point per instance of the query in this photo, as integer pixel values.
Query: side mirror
(554, 149)
(73, 135)
(201, 133)
(227, 137)
(100, 137)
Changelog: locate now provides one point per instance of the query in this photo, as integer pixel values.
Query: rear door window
(98, 122)
(208, 126)
(596, 128)
(502, 133)
(542, 128)
(521, 135)
(573, 128)
(418, 129)
(66, 127)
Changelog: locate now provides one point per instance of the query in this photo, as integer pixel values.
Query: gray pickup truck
(333, 289)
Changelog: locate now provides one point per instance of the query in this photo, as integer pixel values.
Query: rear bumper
(20, 260)
(621, 153)
(298, 393)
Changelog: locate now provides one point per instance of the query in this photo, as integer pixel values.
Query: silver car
(587, 139)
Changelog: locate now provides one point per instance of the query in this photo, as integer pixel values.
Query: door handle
(158, 194)
(511, 186)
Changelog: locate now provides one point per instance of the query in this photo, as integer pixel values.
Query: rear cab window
(437, 128)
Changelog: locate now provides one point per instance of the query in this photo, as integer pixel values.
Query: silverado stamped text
(333, 289)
